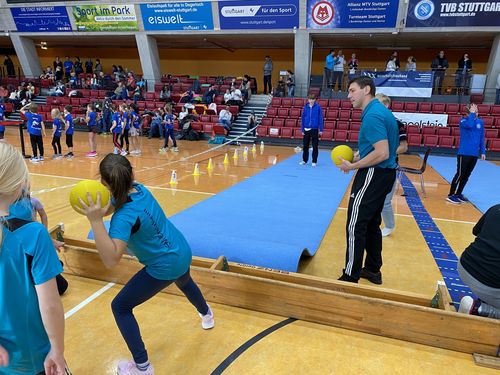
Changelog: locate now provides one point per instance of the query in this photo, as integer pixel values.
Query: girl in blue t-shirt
(135, 130)
(168, 121)
(140, 225)
(57, 127)
(91, 120)
(68, 121)
(36, 130)
(31, 312)
(117, 129)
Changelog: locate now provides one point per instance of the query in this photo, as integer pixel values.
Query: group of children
(126, 122)
(32, 334)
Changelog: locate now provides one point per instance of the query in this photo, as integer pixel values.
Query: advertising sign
(337, 14)
(42, 18)
(445, 13)
(116, 17)
(409, 84)
(178, 16)
(421, 119)
(259, 14)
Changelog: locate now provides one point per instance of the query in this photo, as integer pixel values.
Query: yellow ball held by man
(344, 152)
(81, 189)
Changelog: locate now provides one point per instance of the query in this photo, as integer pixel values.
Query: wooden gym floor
(171, 327)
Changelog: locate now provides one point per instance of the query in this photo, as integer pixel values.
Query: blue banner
(446, 13)
(183, 15)
(259, 14)
(43, 18)
(342, 14)
(402, 84)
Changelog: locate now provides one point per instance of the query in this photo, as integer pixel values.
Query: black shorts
(92, 129)
(1, 134)
(69, 140)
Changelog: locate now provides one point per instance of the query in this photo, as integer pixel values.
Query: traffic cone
(210, 165)
(226, 159)
(173, 178)
(235, 156)
(196, 171)
(254, 148)
(245, 152)
(261, 146)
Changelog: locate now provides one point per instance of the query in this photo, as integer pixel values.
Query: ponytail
(116, 172)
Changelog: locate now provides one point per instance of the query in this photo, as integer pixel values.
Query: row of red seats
(294, 123)
(328, 114)
(203, 80)
(447, 141)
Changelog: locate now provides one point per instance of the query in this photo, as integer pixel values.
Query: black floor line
(234, 355)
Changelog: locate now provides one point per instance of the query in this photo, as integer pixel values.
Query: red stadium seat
(274, 132)
(497, 122)
(494, 145)
(267, 121)
(431, 140)
(272, 112)
(438, 107)
(208, 128)
(342, 125)
(414, 139)
(278, 122)
(356, 115)
(345, 104)
(330, 124)
(446, 141)
(297, 133)
(410, 107)
(452, 108)
(299, 102)
(295, 112)
(290, 123)
(262, 131)
(483, 109)
(286, 132)
(413, 129)
(455, 131)
(205, 118)
(454, 120)
(323, 103)
(197, 126)
(491, 133)
(488, 121)
(352, 137)
(344, 114)
(340, 135)
(327, 135)
(397, 106)
(355, 125)
(276, 102)
(334, 103)
(495, 110)
(286, 102)
(283, 112)
(331, 114)
(425, 107)
(429, 130)
(443, 131)
(220, 130)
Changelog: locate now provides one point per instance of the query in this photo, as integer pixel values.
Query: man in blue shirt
(68, 67)
(330, 61)
(471, 144)
(376, 173)
(312, 128)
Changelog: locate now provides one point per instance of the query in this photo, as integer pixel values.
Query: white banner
(422, 119)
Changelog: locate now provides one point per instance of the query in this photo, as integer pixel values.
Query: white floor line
(434, 218)
(53, 176)
(88, 300)
(181, 190)
(48, 190)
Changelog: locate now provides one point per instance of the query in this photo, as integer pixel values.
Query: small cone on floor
(275, 160)
(210, 165)
(196, 171)
(261, 146)
(245, 151)
(226, 159)
(254, 148)
(235, 156)
(173, 178)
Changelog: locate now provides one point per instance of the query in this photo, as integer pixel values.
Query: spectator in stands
(246, 87)
(187, 97)
(497, 101)
(196, 86)
(338, 71)
(89, 65)
(478, 267)
(290, 83)
(137, 95)
(58, 75)
(236, 98)
(156, 125)
(328, 70)
(141, 83)
(9, 65)
(68, 67)
(30, 91)
(98, 67)
(225, 119)
(73, 80)
(77, 66)
(396, 61)
(391, 64)
(57, 63)
(280, 88)
(131, 81)
(251, 122)
(411, 64)
(58, 90)
(312, 128)
(268, 70)
(462, 75)
(120, 92)
(165, 94)
(471, 145)
(209, 95)
(439, 66)
(95, 83)
(227, 96)
(4, 94)
(353, 64)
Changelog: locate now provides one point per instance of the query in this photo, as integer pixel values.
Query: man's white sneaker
(302, 162)
(314, 164)
(207, 321)
(387, 231)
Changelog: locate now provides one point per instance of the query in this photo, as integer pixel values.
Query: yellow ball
(343, 151)
(81, 189)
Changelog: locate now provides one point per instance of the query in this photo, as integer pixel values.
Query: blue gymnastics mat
(270, 219)
(482, 189)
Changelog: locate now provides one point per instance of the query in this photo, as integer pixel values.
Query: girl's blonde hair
(384, 99)
(13, 172)
(55, 113)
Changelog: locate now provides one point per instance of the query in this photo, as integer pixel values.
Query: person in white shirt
(338, 71)
(225, 117)
(227, 96)
(391, 64)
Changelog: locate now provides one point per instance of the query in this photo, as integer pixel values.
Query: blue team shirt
(150, 236)
(118, 119)
(34, 123)
(69, 124)
(92, 119)
(68, 65)
(27, 258)
(377, 124)
(471, 136)
(57, 126)
(135, 118)
(169, 121)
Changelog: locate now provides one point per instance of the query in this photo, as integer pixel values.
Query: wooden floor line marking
(86, 301)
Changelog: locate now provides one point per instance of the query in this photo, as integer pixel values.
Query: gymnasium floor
(171, 327)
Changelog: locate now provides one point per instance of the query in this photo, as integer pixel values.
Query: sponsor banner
(178, 16)
(422, 119)
(446, 13)
(337, 14)
(41, 18)
(116, 17)
(401, 84)
(259, 14)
